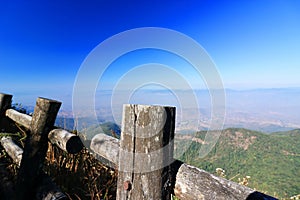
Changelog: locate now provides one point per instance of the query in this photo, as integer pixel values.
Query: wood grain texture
(189, 182)
(106, 147)
(46, 189)
(66, 141)
(12, 149)
(146, 150)
(194, 183)
(36, 146)
(20, 118)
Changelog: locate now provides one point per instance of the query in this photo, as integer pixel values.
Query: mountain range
(267, 110)
(271, 160)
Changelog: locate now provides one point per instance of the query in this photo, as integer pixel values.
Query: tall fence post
(146, 152)
(36, 146)
(6, 188)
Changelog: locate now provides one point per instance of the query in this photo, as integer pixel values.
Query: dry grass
(81, 176)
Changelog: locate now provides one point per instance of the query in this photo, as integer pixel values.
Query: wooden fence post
(6, 188)
(146, 152)
(36, 146)
(5, 103)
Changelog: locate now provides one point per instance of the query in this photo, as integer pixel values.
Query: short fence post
(146, 152)
(5, 103)
(36, 146)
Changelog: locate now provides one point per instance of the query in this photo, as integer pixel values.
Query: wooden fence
(143, 156)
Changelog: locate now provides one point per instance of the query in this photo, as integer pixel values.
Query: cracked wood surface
(146, 150)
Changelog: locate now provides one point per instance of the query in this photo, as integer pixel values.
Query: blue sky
(254, 43)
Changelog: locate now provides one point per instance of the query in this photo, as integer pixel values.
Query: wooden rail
(46, 190)
(67, 141)
(185, 181)
(143, 156)
(32, 182)
(190, 182)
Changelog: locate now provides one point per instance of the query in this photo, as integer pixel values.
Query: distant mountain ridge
(109, 128)
(272, 160)
(267, 110)
(292, 133)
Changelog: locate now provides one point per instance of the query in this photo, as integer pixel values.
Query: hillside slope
(272, 161)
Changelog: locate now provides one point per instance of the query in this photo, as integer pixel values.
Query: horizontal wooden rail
(190, 182)
(107, 147)
(67, 141)
(47, 189)
(12, 149)
(20, 118)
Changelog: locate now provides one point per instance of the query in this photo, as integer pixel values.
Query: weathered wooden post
(146, 152)
(36, 146)
(5, 103)
(46, 189)
(6, 189)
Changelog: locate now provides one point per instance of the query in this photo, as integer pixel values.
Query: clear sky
(254, 43)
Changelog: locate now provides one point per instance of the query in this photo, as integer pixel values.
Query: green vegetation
(108, 128)
(272, 161)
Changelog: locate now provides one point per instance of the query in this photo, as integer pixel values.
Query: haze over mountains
(267, 110)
